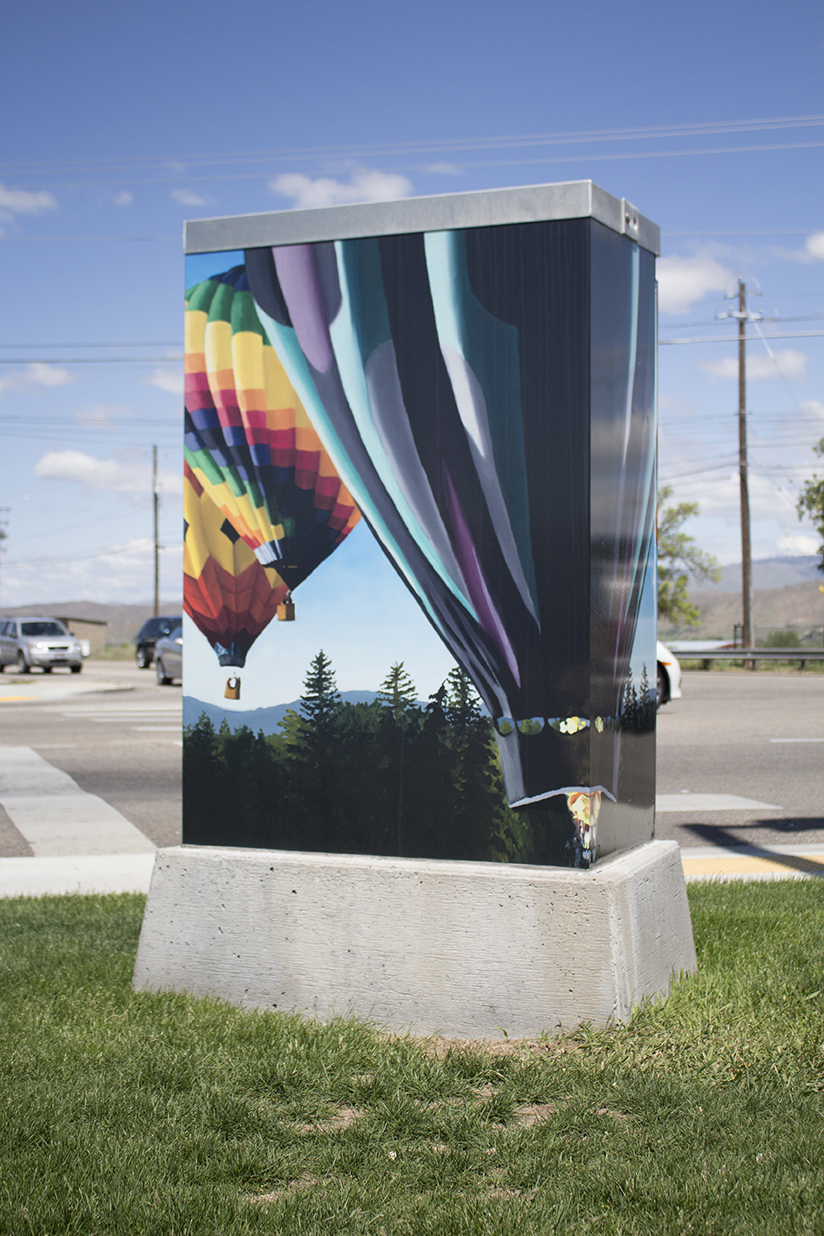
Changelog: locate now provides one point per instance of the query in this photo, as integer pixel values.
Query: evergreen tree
(399, 700)
(204, 785)
(320, 702)
(397, 691)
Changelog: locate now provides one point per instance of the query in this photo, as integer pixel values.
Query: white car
(39, 642)
(669, 675)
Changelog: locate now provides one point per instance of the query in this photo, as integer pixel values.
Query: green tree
(320, 702)
(398, 697)
(397, 691)
(811, 503)
(678, 558)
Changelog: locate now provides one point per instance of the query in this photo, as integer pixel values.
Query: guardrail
(754, 655)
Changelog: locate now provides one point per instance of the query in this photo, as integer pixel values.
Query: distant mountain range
(767, 573)
(265, 719)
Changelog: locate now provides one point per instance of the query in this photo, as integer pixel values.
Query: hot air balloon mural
(487, 396)
(226, 592)
(248, 440)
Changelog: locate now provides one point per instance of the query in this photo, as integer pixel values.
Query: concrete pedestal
(466, 950)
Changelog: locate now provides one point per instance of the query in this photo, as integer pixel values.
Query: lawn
(142, 1114)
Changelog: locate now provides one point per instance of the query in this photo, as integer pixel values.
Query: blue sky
(122, 121)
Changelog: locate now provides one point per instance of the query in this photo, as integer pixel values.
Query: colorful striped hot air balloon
(249, 441)
(226, 592)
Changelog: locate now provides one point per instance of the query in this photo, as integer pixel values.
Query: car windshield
(154, 627)
(43, 628)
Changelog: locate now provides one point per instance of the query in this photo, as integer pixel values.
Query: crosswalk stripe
(55, 816)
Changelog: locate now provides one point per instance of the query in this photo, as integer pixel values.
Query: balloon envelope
(248, 439)
(487, 396)
(228, 594)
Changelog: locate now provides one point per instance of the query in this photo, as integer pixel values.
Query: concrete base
(466, 950)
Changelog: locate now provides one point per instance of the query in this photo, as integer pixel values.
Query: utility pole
(4, 510)
(746, 543)
(156, 545)
(747, 630)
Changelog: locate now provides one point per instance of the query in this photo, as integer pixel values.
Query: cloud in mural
(167, 378)
(364, 185)
(34, 375)
(15, 202)
(132, 479)
(187, 198)
(682, 282)
(787, 363)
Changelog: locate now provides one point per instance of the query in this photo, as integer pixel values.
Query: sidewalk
(131, 873)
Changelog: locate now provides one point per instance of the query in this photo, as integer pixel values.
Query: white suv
(44, 642)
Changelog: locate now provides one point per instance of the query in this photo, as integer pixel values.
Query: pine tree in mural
(398, 695)
(472, 768)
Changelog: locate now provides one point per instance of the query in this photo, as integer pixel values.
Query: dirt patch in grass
(277, 1195)
(342, 1119)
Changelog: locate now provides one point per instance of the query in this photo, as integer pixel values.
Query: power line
(421, 146)
(175, 343)
(93, 360)
(801, 334)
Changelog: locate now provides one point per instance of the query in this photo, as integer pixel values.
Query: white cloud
(101, 414)
(814, 407)
(682, 282)
(123, 198)
(110, 475)
(443, 169)
(187, 198)
(791, 364)
(167, 379)
(119, 574)
(34, 375)
(798, 544)
(815, 245)
(23, 202)
(365, 185)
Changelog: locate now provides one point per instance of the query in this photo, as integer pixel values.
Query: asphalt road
(758, 736)
(120, 742)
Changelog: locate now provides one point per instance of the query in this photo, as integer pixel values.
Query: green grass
(136, 1113)
(764, 667)
(117, 652)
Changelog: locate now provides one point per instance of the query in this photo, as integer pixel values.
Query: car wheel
(75, 669)
(22, 665)
(162, 680)
(143, 658)
(663, 687)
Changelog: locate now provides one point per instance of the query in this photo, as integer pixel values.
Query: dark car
(149, 634)
(169, 657)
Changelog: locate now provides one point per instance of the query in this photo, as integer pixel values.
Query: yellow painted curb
(752, 864)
